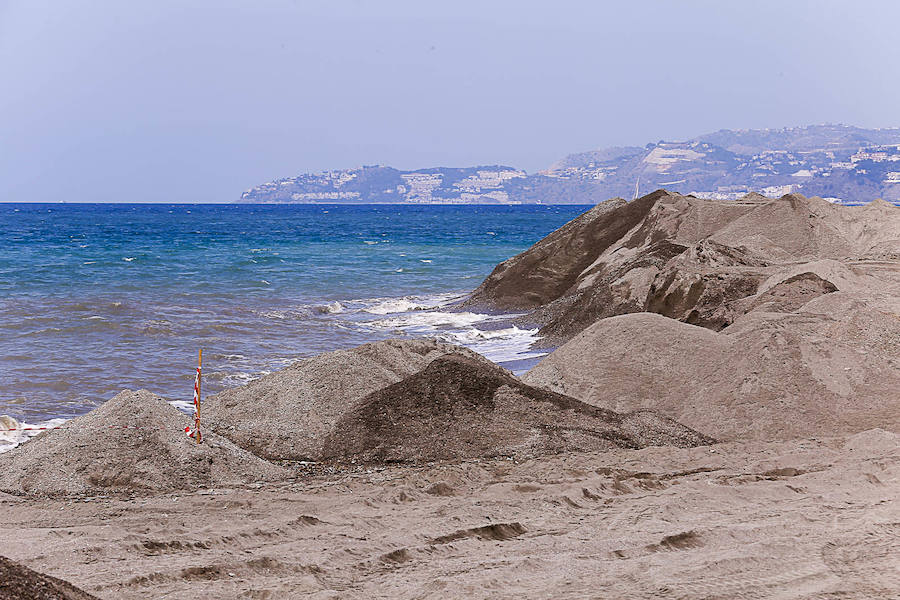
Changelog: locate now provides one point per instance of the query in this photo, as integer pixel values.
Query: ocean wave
(388, 306)
(397, 305)
(284, 314)
(185, 406)
(12, 431)
(242, 378)
(430, 319)
(331, 308)
(500, 345)
(415, 315)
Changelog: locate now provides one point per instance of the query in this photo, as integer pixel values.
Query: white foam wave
(397, 305)
(427, 316)
(12, 432)
(242, 378)
(331, 308)
(389, 306)
(501, 345)
(430, 319)
(186, 406)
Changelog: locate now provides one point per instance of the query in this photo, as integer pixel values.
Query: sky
(197, 101)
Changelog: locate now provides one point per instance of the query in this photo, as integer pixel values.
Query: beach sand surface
(813, 518)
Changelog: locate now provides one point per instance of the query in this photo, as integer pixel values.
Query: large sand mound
(18, 582)
(798, 228)
(286, 415)
(458, 407)
(135, 442)
(829, 368)
(684, 257)
(576, 254)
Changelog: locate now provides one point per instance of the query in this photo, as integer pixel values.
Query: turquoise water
(95, 298)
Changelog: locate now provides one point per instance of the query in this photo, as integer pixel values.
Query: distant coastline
(844, 164)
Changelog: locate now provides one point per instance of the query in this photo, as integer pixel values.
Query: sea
(96, 298)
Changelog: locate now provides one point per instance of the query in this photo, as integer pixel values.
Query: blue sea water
(95, 298)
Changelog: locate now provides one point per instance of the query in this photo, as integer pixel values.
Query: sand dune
(286, 415)
(458, 407)
(831, 367)
(133, 443)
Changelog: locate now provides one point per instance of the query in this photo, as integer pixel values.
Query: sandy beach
(800, 519)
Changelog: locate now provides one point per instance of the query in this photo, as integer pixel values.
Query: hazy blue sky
(185, 101)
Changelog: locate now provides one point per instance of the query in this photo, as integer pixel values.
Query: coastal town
(843, 164)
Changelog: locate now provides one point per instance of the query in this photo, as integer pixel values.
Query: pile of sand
(459, 407)
(576, 253)
(18, 582)
(832, 367)
(798, 228)
(135, 442)
(286, 415)
(684, 257)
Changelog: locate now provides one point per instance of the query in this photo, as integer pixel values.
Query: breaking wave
(14, 432)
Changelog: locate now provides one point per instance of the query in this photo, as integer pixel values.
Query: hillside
(493, 184)
(837, 162)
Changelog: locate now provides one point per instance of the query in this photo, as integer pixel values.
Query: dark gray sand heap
(831, 368)
(683, 257)
(95, 453)
(286, 415)
(18, 582)
(459, 407)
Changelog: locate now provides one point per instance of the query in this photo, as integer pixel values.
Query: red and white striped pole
(197, 434)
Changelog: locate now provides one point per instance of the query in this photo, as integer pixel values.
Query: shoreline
(499, 336)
